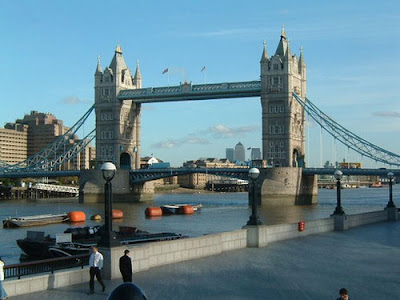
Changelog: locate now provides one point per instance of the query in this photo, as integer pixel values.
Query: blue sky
(49, 54)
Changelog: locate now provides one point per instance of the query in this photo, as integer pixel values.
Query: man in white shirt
(96, 264)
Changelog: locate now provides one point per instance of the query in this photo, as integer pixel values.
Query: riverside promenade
(365, 260)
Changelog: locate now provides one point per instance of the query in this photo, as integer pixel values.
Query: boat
(79, 240)
(376, 184)
(179, 208)
(38, 220)
(73, 241)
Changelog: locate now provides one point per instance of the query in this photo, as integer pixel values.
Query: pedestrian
(344, 295)
(3, 293)
(125, 266)
(96, 264)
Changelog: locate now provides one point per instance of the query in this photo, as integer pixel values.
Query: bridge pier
(91, 188)
(285, 186)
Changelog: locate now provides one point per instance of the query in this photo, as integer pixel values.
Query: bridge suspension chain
(347, 137)
(57, 153)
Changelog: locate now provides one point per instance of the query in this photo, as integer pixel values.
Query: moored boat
(38, 220)
(180, 209)
(79, 240)
(376, 184)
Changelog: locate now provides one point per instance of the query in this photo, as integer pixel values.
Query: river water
(220, 212)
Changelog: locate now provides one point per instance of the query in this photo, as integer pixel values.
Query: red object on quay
(302, 226)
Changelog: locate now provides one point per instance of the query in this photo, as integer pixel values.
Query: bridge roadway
(144, 175)
(365, 260)
(187, 91)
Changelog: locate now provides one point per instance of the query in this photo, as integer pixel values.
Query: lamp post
(338, 210)
(108, 237)
(254, 219)
(390, 176)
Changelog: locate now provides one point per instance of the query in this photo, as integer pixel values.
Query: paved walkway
(365, 260)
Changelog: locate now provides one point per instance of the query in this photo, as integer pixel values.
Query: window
(276, 80)
(275, 67)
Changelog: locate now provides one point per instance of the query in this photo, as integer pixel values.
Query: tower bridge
(282, 92)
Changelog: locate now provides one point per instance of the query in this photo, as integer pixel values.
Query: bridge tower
(117, 122)
(283, 119)
(283, 128)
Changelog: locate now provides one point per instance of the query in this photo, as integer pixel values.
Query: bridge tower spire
(117, 122)
(283, 118)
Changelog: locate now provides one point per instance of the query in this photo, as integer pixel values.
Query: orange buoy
(153, 212)
(76, 216)
(117, 214)
(186, 209)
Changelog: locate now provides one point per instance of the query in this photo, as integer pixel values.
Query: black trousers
(127, 278)
(95, 271)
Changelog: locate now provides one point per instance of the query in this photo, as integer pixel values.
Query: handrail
(45, 265)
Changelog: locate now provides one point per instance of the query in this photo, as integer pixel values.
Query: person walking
(125, 266)
(344, 295)
(3, 293)
(96, 264)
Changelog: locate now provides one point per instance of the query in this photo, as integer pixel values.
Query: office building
(230, 154)
(239, 152)
(255, 153)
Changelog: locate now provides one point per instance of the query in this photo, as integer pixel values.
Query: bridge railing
(45, 266)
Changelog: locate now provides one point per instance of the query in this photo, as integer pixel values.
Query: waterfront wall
(150, 255)
(287, 186)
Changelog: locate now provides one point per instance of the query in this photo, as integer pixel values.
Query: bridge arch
(125, 160)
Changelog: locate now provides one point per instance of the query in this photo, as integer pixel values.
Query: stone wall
(150, 255)
(91, 187)
(287, 186)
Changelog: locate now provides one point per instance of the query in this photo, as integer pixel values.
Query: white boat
(38, 220)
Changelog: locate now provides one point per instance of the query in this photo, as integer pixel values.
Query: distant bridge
(144, 175)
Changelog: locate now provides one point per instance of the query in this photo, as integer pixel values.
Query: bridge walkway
(365, 260)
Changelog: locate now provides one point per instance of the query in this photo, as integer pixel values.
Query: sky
(49, 54)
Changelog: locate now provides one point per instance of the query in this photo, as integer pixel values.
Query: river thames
(220, 212)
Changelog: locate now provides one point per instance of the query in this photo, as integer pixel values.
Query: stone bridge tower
(117, 122)
(283, 119)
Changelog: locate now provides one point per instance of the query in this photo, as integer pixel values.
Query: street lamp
(254, 220)
(390, 176)
(108, 237)
(338, 210)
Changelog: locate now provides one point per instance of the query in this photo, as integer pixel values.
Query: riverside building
(33, 133)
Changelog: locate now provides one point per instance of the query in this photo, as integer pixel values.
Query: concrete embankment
(152, 256)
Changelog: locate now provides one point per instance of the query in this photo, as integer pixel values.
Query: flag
(165, 71)
(203, 69)
(249, 148)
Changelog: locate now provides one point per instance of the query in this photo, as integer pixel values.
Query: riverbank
(300, 268)
(179, 190)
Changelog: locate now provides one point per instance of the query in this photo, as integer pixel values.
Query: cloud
(222, 131)
(203, 137)
(73, 100)
(172, 143)
(387, 114)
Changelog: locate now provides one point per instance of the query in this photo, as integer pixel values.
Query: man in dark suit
(125, 266)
